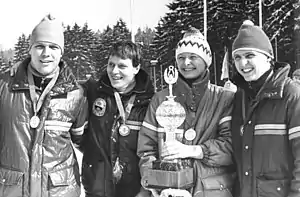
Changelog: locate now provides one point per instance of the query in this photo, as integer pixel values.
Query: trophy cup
(177, 173)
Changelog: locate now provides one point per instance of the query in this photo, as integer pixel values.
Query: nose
(46, 51)
(115, 69)
(187, 61)
(243, 62)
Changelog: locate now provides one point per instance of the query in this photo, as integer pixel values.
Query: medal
(242, 130)
(190, 134)
(124, 130)
(34, 122)
(117, 171)
(38, 102)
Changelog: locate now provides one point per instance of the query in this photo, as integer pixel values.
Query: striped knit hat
(252, 37)
(194, 42)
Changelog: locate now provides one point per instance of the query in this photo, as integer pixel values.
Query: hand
(177, 150)
(14, 68)
(154, 193)
(144, 193)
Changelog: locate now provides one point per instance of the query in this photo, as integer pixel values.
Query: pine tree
(296, 40)
(21, 48)
(278, 26)
(145, 38)
(120, 31)
(79, 43)
(3, 67)
(224, 19)
(106, 39)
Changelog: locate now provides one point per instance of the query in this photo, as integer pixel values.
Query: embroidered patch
(99, 107)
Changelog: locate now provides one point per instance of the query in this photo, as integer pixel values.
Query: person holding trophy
(185, 140)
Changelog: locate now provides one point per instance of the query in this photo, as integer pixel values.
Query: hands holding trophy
(170, 174)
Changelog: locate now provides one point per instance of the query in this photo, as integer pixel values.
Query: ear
(137, 69)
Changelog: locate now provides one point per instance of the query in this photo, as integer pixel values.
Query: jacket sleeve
(80, 123)
(294, 137)
(218, 151)
(147, 148)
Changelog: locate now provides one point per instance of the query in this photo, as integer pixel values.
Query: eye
(250, 55)
(237, 57)
(181, 58)
(39, 46)
(122, 66)
(194, 57)
(110, 64)
(54, 47)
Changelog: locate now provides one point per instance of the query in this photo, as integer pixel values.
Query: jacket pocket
(65, 181)
(11, 183)
(218, 185)
(274, 188)
(97, 178)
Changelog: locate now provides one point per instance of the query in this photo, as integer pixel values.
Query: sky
(21, 16)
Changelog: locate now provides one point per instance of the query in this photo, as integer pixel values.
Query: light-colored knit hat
(48, 30)
(194, 42)
(252, 37)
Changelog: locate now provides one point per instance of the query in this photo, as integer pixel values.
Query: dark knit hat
(194, 42)
(253, 38)
(48, 30)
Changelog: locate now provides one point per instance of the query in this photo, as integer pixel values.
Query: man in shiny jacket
(265, 123)
(41, 109)
(205, 139)
(117, 105)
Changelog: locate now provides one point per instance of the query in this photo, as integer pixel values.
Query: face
(251, 64)
(121, 72)
(45, 57)
(190, 65)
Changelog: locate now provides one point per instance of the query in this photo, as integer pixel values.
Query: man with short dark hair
(118, 102)
(265, 119)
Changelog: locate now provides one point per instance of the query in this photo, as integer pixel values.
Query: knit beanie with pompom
(251, 37)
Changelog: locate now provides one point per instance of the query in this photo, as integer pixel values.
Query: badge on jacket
(99, 107)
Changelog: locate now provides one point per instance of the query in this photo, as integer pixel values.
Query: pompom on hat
(48, 30)
(194, 42)
(252, 37)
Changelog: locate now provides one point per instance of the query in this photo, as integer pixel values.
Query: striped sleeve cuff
(294, 132)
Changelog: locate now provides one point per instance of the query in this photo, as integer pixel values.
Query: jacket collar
(197, 87)
(273, 87)
(66, 81)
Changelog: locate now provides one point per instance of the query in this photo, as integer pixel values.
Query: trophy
(177, 173)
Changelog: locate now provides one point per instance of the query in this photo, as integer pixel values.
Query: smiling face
(121, 72)
(45, 57)
(190, 65)
(251, 64)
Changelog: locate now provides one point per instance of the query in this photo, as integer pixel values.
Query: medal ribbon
(118, 168)
(124, 114)
(37, 103)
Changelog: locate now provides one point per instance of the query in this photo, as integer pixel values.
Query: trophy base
(160, 179)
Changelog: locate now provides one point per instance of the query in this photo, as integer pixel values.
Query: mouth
(116, 78)
(46, 61)
(247, 70)
(188, 69)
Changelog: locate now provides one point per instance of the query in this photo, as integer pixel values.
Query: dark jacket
(99, 148)
(39, 162)
(208, 111)
(265, 133)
